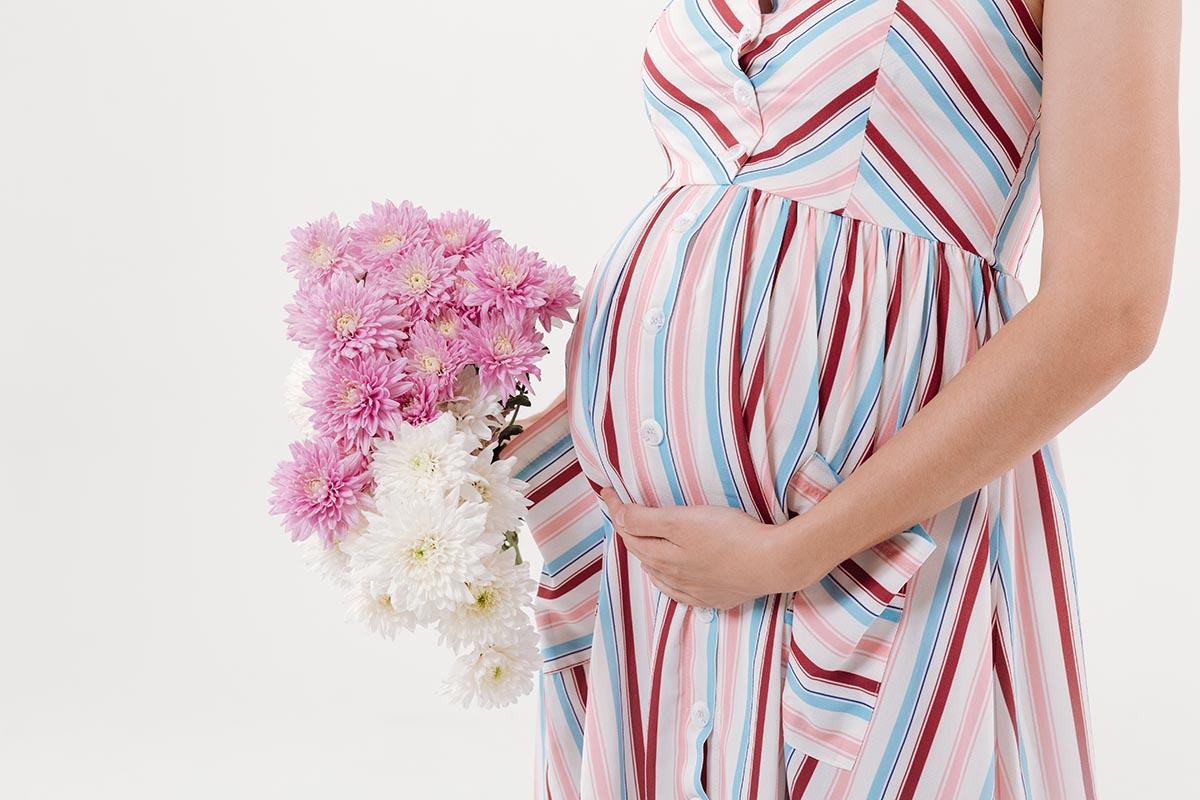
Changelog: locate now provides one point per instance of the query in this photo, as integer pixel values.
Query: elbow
(1129, 332)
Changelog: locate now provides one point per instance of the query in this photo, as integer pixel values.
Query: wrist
(800, 552)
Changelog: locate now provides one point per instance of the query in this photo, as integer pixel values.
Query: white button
(745, 34)
(653, 319)
(744, 92)
(705, 614)
(683, 221)
(652, 432)
(737, 151)
(700, 714)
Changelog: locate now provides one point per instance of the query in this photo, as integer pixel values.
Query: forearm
(1049, 364)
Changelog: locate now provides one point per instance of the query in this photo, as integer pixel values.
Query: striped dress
(851, 187)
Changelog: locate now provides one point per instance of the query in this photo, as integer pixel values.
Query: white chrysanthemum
(498, 674)
(430, 460)
(374, 608)
(496, 487)
(331, 561)
(498, 604)
(479, 413)
(295, 397)
(424, 552)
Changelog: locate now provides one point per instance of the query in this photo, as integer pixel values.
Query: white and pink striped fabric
(851, 186)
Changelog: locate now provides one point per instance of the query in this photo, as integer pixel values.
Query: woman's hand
(714, 556)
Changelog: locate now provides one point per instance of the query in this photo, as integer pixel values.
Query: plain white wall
(159, 635)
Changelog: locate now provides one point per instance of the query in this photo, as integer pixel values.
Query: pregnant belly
(732, 334)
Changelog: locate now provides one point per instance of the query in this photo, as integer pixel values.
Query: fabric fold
(841, 631)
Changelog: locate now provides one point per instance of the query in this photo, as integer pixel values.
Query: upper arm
(1109, 160)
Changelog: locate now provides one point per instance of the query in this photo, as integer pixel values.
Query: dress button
(745, 35)
(700, 714)
(737, 151)
(705, 614)
(653, 320)
(744, 93)
(652, 432)
(683, 221)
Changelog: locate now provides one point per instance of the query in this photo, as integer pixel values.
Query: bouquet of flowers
(419, 336)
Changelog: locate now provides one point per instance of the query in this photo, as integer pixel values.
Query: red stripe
(804, 775)
(760, 718)
(937, 704)
(1032, 32)
(837, 338)
(758, 380)
(741, 439)
(1003, 672)
(555, 481)
(701, 110)
(656, 694)
(876, 139)
(768, 41)
(727, 16)
(1062, 607)
(837, 105)
(962, 80)
(838, 677)
(628, 654)
(942, 289)
(608, 425)
(585, 572)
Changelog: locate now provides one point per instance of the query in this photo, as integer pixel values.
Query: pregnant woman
(801, 506)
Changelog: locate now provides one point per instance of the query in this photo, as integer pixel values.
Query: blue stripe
(682, 124)
(715, 396)
(576, 551)
(660, 340)
(907, 219)
(937, 92)
(906, 716)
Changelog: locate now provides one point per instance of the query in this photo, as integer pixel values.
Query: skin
(1110, 200)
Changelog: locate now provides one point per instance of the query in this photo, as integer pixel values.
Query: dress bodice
(915, 115)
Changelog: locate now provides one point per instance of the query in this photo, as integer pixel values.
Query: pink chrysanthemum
(387, 231)
(431, 355)
(420, 279)
(419, 406)
(318, 251)
(462, 232)
(354, 400)
(321, 491)
(561, 296)
(345, 318)
(447, 321)
(505, 351)
(505, 279)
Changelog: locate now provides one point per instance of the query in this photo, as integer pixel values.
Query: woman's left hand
(711, 556)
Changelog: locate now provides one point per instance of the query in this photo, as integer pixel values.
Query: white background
(159, 634)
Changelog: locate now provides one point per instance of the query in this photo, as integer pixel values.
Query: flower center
(497, 673)
(502, 345)
(485, 600)
(430, 362)
(346, 322)
(391, 240)
(314, 487)
(418, 281)
(507, 272)
(351, 393)
(424, 549)
(321, 256)
(424, 463)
